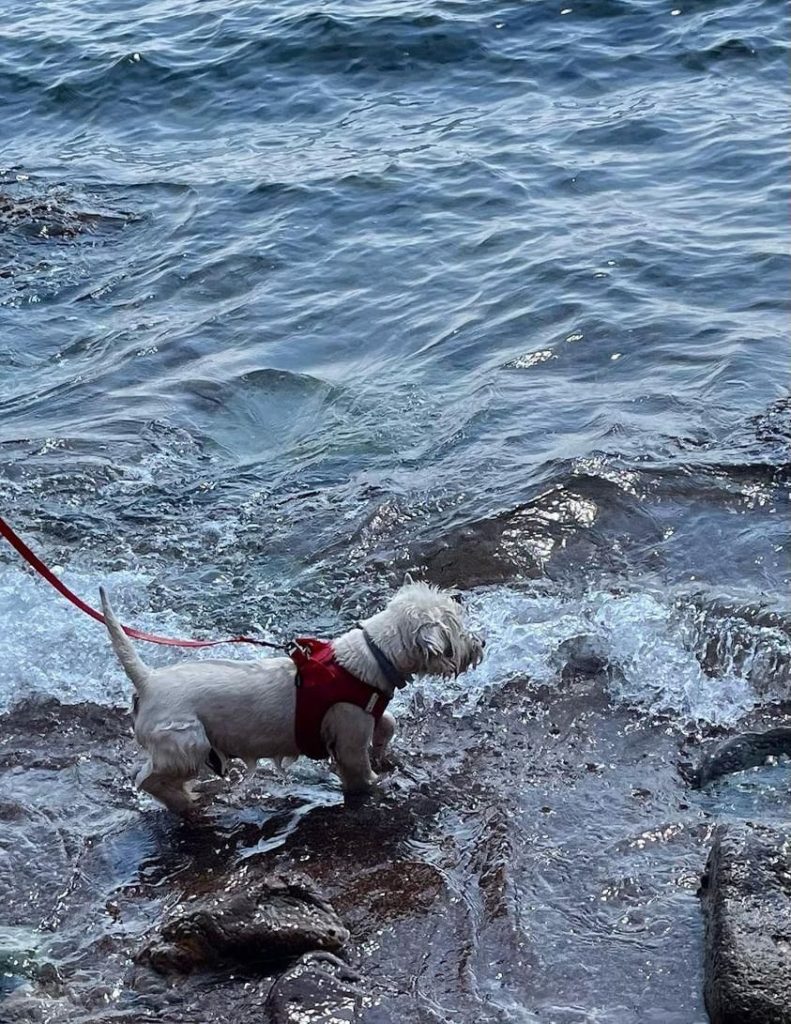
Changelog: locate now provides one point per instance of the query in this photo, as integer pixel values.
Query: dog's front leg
(348, 732)
(383, 733)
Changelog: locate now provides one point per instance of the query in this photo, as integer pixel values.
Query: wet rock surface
(51, 217)
(534, 848)
(737, 754)
(444, 881)
(320, 988)
(747, 903)
(250, 921)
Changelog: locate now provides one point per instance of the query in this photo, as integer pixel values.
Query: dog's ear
(435, 641)
(408, 581)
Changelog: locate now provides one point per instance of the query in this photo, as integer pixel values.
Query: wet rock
(320, 988)
(455, 886)
(484, 552)
(52, 216)
(400, 889)
(553, 534)
(754, 638)
(41, 218)
(251, 922)
(747, 903)
(17, 957)
(749, 750)
(38, 220)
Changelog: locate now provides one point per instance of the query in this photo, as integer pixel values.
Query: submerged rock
(52, 215)
(252, 921)
(749, 750)
(747, 903)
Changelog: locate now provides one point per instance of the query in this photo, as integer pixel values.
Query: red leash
(35, 562)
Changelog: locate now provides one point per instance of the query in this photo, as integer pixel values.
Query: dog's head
(426, 631)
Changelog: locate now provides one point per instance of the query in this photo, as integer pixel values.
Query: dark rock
(320, 987)
(749, 750)
(392, 891)
(251, 922)
(454, 885)
(552, 535)
(52, 215)
(747, 903)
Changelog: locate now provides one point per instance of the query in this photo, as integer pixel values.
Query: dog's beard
(468, 655)
(474, 654)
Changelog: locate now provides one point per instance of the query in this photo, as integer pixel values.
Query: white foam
(646, 646)
(49, 647)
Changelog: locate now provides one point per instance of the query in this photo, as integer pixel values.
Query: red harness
(321, 682)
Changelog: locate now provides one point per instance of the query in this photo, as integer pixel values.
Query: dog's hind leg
(244, 783)
(167, 791)
(177, 752)
(283, 763)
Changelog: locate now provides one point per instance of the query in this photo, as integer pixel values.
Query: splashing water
(48, 647)
(649, 648)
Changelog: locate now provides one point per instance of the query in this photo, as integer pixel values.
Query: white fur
(246, 709)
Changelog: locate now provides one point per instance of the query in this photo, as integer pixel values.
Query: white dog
(323, 700)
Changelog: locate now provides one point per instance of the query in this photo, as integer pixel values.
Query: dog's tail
(125, 652)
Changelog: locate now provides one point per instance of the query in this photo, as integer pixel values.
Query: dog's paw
(357, 799)
(388, 762)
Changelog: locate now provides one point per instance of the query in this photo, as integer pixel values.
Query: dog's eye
(457, 597)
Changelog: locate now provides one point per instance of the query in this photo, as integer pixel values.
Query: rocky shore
(538, 850)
